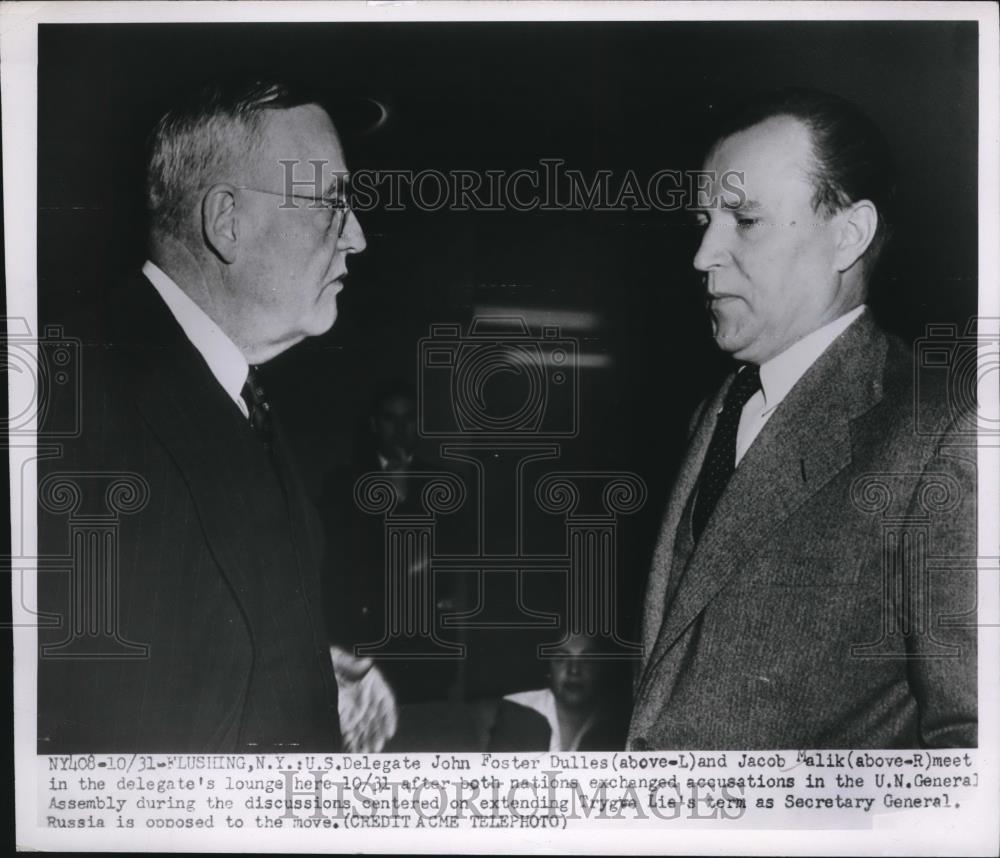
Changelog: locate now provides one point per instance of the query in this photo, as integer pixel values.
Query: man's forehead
(772, 153)
(306, 137)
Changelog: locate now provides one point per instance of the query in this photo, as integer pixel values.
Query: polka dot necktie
(720, 461)
(257, 405)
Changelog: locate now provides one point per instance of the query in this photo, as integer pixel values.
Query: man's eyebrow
(741, 205)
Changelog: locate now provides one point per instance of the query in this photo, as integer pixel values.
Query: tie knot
(744, 386)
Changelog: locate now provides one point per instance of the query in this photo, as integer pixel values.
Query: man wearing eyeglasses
(217, 607)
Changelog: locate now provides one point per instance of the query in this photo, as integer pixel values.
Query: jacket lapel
(684, 484)
(212, 445)
(806, 442)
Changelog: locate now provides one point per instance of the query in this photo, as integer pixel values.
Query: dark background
(612, 96)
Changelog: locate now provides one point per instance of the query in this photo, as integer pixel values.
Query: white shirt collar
(779, 375)
(543, 701)
(222, 355)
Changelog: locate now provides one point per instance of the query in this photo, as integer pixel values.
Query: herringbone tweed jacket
(830, 601)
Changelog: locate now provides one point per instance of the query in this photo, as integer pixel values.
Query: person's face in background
(770, 264)
(394, 425)
(576, 675)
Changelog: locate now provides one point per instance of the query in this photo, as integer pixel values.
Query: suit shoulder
(936, 389)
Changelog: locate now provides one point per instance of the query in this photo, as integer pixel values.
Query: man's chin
(327, 323)
(730, 343)
(731, 338)
(324, 315)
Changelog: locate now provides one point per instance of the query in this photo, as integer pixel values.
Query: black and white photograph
(572, 421)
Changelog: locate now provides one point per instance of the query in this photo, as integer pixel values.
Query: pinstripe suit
(218, 573)
(779, 629)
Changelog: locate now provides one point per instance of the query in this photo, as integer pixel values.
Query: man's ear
(858, 224)
(219, 222)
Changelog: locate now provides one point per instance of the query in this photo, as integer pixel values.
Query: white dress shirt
(222, 355)
(779, 375)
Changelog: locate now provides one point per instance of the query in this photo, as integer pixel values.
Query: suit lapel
(686, 478)
(222, 462)
(806, 442)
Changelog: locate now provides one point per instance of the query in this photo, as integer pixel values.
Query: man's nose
(353, 238)
(712, 251)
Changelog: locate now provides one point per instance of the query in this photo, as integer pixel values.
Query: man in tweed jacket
(794, 600)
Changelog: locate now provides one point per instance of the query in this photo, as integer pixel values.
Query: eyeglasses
(334, 205)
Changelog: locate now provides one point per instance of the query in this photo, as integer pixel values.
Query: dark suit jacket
(785, 631)
(217, 570)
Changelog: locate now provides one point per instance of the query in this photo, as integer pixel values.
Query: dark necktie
(257, 405)
(720, 461)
